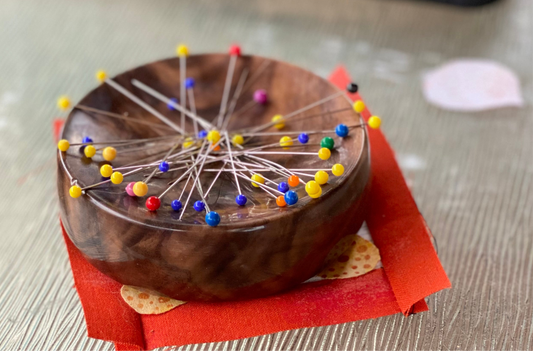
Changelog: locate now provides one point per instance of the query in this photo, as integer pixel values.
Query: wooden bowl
(257, 250)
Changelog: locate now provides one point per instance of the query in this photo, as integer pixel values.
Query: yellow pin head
(117, 178)
(89, 151)
(279, 119)
(324, 153)
(101, 76)
(182, 51)
(63, 103)
(337, 169)
(106, 171)
(312, 187)
(188, 143)
(63, 145)
(74, 191)
(374, 122)
(109, 153)
(237, 139)
(259, 179)
(140, 189)
(285, 141)
(213, 136)
(321, 177)
(359, 106)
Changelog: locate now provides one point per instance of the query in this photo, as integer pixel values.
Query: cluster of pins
(194, 153)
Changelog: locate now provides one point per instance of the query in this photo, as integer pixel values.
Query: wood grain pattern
(472, 182)
(258, 249)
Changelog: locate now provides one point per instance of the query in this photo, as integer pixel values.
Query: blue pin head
(283, 187)
(303, 138)
(291, 197)
(170, 105)
(199, 206)
(241, 200)
(163, 166)
(189, 83)
(176, 205)
(342, 130)
(212, 219)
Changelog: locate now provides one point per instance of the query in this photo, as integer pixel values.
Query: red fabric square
(411, 272)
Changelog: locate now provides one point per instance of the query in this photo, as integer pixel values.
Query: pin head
(212, 219)
(74, 191)
(188, 143)
(189, 83)
(237, 139)
(352, 88)
(316, 195)
(171, 103)
(235, 50)
(312, 187)
(63, 145)
(89, 151)
(101, 76)
(303, 138)
(176, 205)
(117, 178)
(291, 197)
(213, 136)
(241, 200)
(283, 187)
(278, 120)
(109, 153)
(374, 122)
(261, 96)
(86, 140)
(199, 206)
(163, 166)
(324, 153)
(258, 178)
(140, 189)
(359, 106)
(327, 142)
(280, 201)
(337, 169)
(129, 189)
(153, 203)
(106, 171)
(63, 103)
(182, 51)
(342, 130)
(202, 134)
(293, 180)
(285, 141)
(321, 177)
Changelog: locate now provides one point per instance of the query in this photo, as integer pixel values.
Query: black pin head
(352, 87)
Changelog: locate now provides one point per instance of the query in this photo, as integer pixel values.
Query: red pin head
(235, 50)
(153, 203)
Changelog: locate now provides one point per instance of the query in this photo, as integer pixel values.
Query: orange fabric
(397, 228)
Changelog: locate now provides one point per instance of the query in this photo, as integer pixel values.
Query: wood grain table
(471, 173)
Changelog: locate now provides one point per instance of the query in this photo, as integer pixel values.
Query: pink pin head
(235, 50)
(260, 96)
(129, 189)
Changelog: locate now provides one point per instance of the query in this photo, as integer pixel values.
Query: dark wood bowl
(257, 250)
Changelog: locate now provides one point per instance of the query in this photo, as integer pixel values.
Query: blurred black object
(465, 2)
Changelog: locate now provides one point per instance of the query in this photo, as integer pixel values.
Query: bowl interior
(289, 88)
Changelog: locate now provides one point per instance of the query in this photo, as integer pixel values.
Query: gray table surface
(471, 172)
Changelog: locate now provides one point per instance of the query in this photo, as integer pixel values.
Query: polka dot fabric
(352, 256)
(146, 301)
